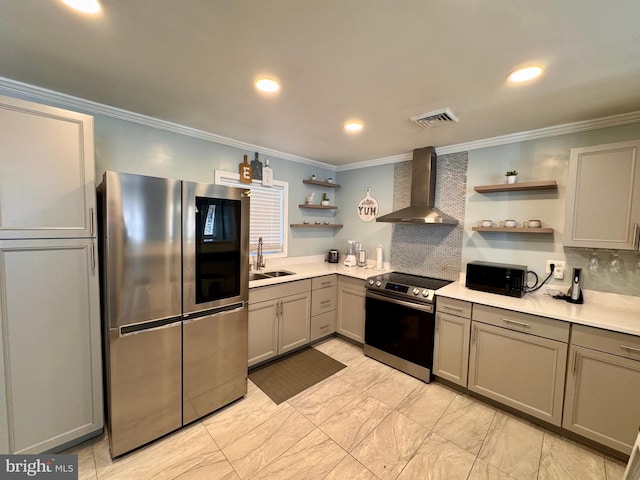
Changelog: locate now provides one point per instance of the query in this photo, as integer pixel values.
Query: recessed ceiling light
(353, 126)
(525, 73)
(84, 6)
(267, 85)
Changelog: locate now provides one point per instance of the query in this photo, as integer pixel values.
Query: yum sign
(368, 207)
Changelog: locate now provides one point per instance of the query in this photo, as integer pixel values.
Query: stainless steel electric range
(400, 321)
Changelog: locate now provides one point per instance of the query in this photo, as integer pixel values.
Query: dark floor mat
(291, 375)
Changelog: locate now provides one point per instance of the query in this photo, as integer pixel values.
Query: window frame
(231, 179)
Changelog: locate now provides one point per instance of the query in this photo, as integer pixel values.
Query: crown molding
(32, 92)
(554, 131)
(87, 106)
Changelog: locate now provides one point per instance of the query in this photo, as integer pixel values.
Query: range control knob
(371, 282)
(378, 283)
(416, 291)
(425, 293)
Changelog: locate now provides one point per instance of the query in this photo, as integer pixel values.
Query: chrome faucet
(259, 257)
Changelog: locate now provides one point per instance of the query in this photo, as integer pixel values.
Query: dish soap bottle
(267, 174)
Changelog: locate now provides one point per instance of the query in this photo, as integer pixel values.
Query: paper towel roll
(379, 257)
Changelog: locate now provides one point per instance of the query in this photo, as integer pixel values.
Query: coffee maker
(352, 250)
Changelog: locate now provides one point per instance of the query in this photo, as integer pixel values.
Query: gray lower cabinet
(50, 357)
(351, 304)
(278, 319)
(603, 387)
(324, 298)
(519, 363)
(451, 347)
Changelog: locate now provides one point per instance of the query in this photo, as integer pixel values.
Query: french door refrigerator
(174, 298)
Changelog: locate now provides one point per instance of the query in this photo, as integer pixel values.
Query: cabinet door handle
(325, 302)
(575, 362)
(475, 334)
(455, 309)
(636, 236)
(515, 322)
(326, 284)
(93, 256)
(631, 349)
(91, 228)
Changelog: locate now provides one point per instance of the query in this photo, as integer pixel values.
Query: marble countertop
(310, 268)
(610, 311)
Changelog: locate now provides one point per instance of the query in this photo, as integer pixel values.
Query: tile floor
(368, 421)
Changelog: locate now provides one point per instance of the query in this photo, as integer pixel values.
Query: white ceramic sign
(367, 207)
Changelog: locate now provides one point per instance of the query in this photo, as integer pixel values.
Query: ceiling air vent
(434, 119)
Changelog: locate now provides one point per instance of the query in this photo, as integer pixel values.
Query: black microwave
(500, 278)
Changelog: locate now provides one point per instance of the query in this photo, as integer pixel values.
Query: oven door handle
(415, 306)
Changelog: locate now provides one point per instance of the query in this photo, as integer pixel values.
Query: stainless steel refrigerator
(174, 298)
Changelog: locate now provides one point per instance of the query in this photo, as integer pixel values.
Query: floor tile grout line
(221, 450)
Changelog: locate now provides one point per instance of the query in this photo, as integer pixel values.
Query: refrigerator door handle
(134, 329)
(232, 307)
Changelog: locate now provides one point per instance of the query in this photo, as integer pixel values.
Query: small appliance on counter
(352, 251)
(333, 256)
(362, 258)
(500, 278)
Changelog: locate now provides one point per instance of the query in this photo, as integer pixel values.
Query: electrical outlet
(558, 270)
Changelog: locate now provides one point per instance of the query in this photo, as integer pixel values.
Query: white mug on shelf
(508, 223)
(485, 223)
(533, 224)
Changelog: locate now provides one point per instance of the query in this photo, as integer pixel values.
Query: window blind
(268, 214)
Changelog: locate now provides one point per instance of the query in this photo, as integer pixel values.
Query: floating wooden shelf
(513, 187)
(513, 229)
(321, 184)
(316, 225)
(319, 207)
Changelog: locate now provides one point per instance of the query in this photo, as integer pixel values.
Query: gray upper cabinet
(47, 185)
(603, 197)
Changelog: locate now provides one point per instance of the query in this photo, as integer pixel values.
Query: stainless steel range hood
(423, 193)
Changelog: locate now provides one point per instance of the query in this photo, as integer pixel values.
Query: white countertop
(610, 311)
(313, 268)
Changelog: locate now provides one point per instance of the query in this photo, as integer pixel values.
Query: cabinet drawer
(522, 322)
(322, 325)
(606, 341)
(454, 307)
(262, 294)
(324, 282)
(323, 300)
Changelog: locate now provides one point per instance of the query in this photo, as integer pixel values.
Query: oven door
(400, 328)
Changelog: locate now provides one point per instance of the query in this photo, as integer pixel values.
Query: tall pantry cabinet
(50, 356)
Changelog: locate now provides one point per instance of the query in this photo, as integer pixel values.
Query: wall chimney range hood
(423, 193)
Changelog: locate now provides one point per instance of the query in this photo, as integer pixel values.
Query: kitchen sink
(279, 273)
(257, 276)
(265, 275)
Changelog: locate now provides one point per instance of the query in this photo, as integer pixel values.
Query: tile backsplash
(431, 250)
(626, 282)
